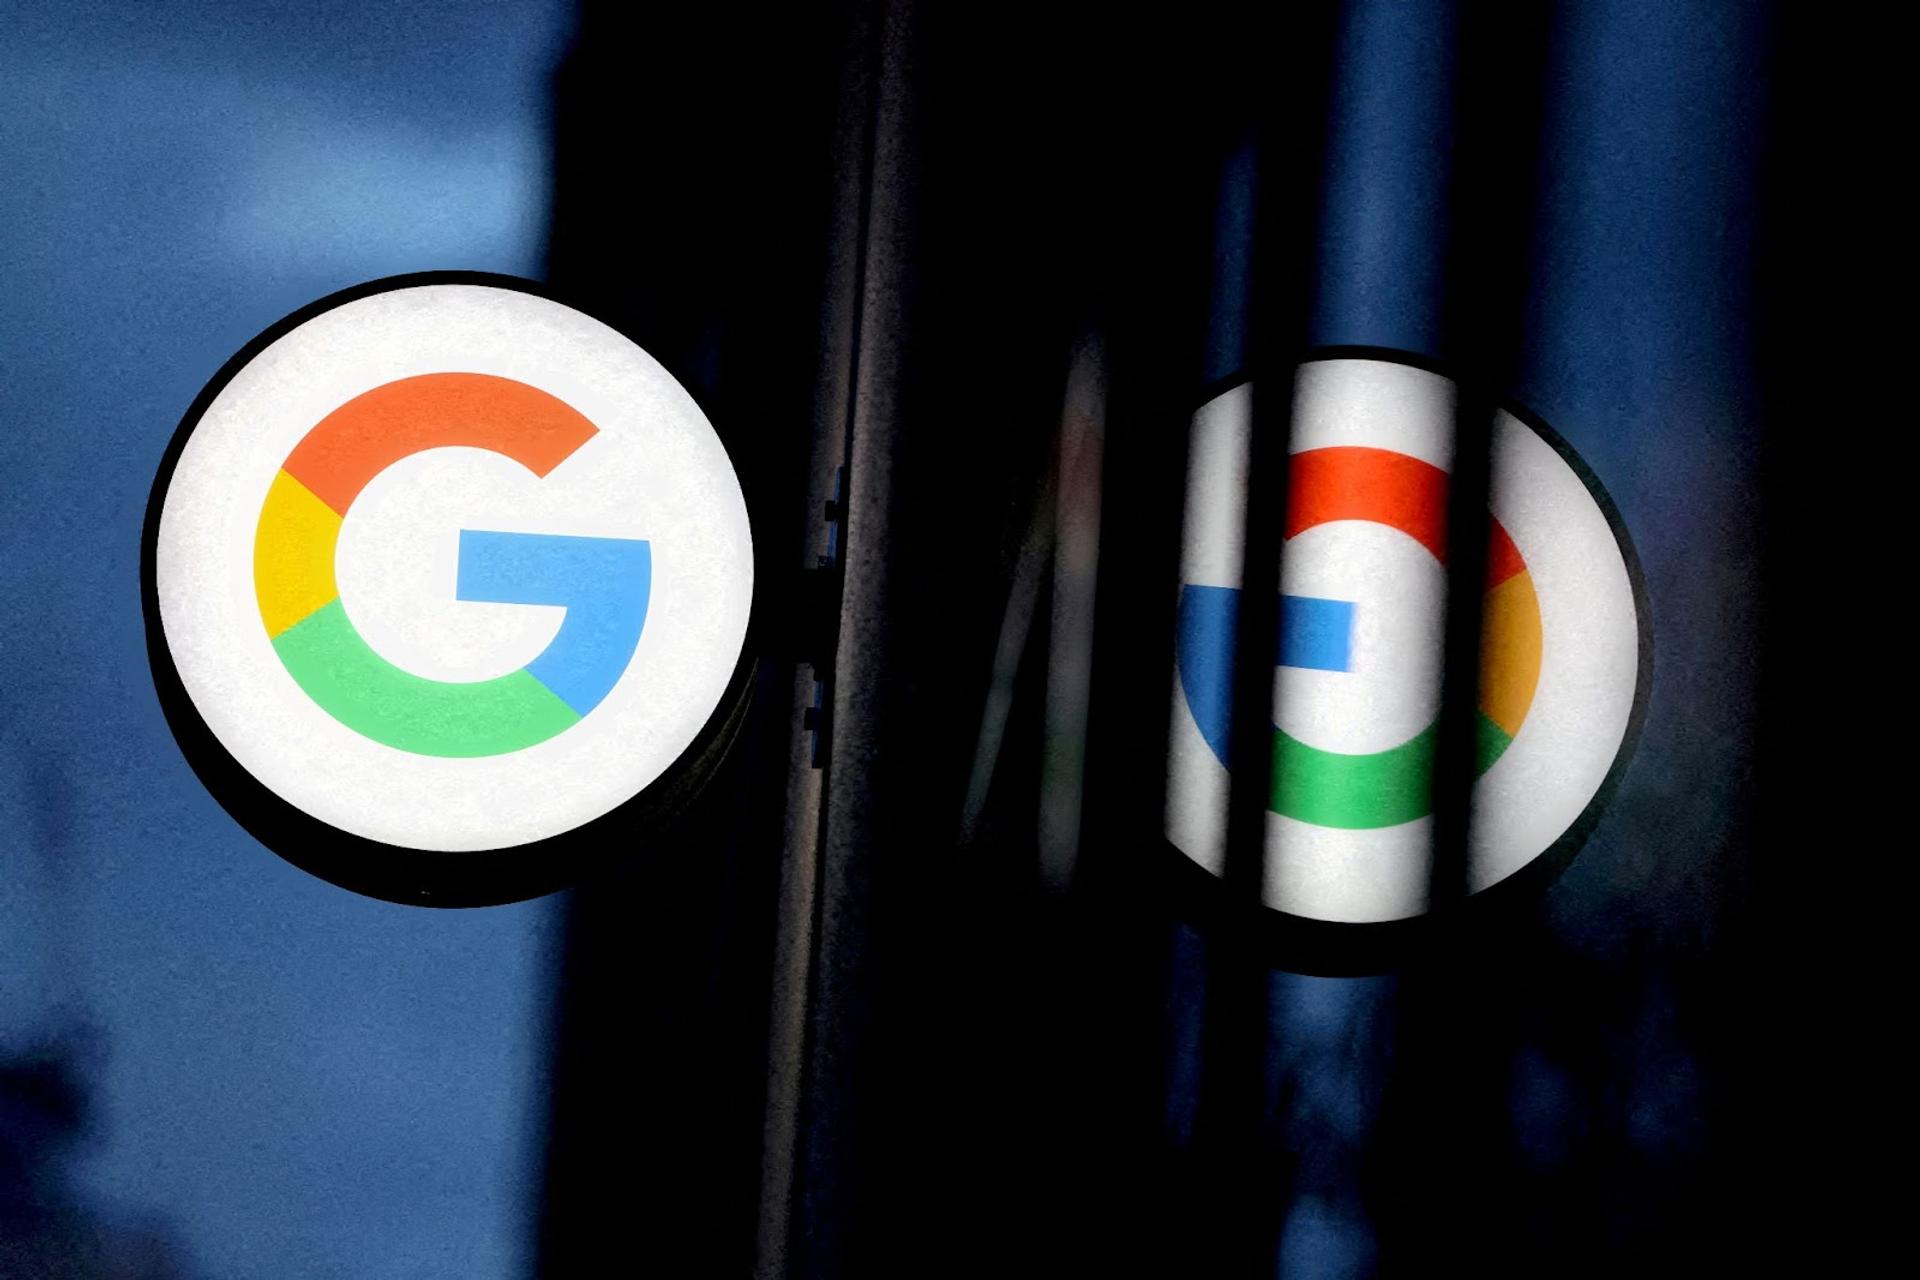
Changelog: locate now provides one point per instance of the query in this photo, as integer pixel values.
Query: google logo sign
(601, 582)
(448, 582)
(1564, 668)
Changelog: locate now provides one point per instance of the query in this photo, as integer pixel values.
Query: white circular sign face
(1356, 694)
(451, 568)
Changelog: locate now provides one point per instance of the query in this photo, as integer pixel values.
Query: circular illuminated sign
(1564, 664)
(444, 577)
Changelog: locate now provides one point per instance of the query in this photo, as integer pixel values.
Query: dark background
(849, 1021)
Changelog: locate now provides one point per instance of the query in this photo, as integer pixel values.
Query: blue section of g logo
(603, 583)
(1314, 632)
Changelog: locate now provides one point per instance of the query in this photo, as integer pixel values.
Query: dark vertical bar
(1123, 1197)
(1500, 72)
(1813, 949)
(1244, 1168)
(832, 1231)
(823, 542)
(1445, 1108)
